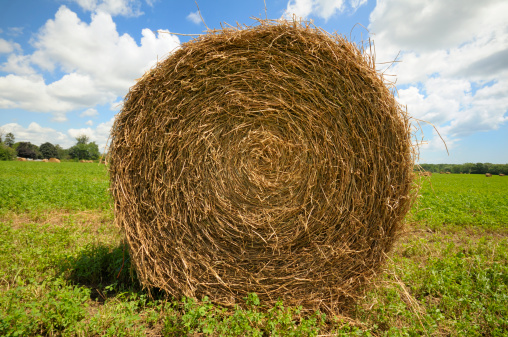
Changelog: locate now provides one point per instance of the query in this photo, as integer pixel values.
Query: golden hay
(54, 160)
(271, 159)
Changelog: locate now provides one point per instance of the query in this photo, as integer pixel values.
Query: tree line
(471, 168)
(82, 150)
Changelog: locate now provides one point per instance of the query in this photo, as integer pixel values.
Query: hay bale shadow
(106, 270)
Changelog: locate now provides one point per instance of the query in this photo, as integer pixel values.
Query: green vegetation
(463, 201)
(477, 168)
(65, 271)
(43, 187)
(48, 150)
(83, 150)
(6, 153)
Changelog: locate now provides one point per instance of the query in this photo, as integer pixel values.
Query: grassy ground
(64, 269)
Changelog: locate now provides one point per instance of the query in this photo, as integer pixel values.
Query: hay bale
(45, 160)
(488, 175)
(21, 159)
(271, 159)
(53, 160)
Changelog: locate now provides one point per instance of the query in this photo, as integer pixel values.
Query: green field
(64, 269)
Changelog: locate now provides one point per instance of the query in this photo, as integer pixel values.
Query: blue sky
(65, 65)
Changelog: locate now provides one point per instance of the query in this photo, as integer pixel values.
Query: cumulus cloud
(100, 134)
(194, 18)
(37, 134)
(441, 36)
(89, 113)
(435, 24)
(454, 61)
(89, 122)
(151, 2)
(355, 4)
(8, 47)
(30, 93)
(116, 106)
(324, 9)
(99, 65)
(112, 7)
(18, 64)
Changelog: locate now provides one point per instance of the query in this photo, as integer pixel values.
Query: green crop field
(65, 271)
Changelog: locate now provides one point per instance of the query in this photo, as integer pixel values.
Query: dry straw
(271, 159)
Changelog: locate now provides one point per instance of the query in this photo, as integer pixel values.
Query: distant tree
(467, 167)
(48, 150)
(82, 139)
(7, 153)
(93, 150)
(62, 153)
(27, 150)
(78, 151)
(84, 150)
(457, 168)
(9, 139)
(489, 168)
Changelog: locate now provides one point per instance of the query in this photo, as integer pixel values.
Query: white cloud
(112, 7)
(300, 8)
(74, 133)
(8, 47)
(194, 18)
(324, 9)
(441, 143)
(89, 113)
(440, 36)
(100, 134)
(116, 106)
(355, 4)
(438, 100)
(37, 134)
(59, 117)
(97, 49)
(99, 64)
(435, 24)
(18, 64)
(454, 61)
(15, 31)
(30, 93)
(89, 122)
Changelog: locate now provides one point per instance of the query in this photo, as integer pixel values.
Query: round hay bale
(271, 159)
(53, 160)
